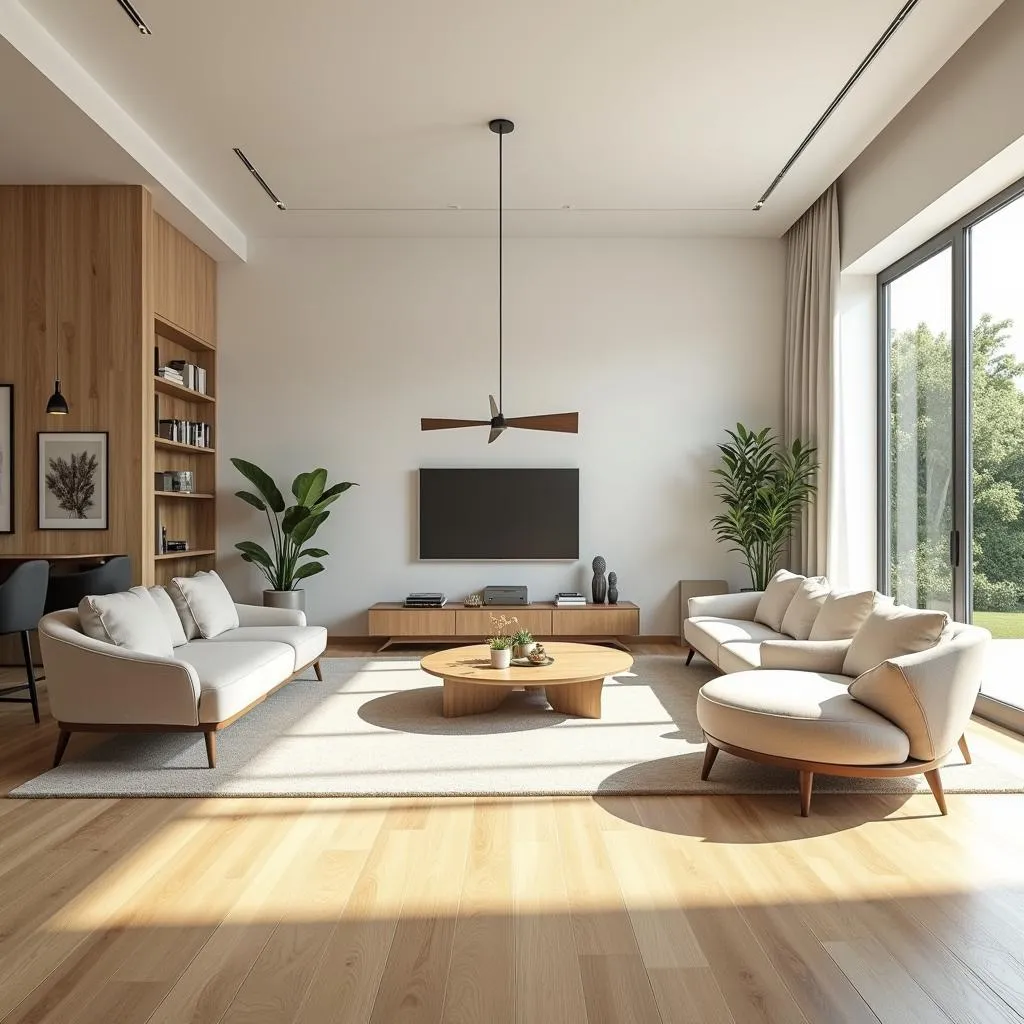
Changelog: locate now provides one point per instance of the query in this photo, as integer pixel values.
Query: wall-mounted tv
(495, 514)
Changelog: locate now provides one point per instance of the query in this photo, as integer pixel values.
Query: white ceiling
(642, 116)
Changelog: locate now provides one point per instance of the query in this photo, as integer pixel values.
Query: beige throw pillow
(170, 616)
(130, 619)
(204, 604)
(891, 631)
(804, 607)
(842, 613)
(777, 595)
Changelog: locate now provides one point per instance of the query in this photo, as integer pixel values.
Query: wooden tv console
(457, 623)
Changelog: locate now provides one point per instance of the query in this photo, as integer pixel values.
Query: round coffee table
(572, 684)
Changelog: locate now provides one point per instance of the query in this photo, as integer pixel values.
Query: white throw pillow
(842, 613)
(774, 604)
(130, 619)
(804, 608)
(204, 604)
(170, 616)
(889, 632)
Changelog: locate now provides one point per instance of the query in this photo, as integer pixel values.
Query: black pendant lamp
(58, 404)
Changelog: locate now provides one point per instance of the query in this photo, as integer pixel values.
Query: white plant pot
(523, 650)
(502, 658)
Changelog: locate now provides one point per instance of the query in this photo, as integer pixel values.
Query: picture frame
(6, 458)
(74, 480)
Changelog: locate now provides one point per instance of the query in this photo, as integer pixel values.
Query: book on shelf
(569, 593)
(184, 432)
(194, 376)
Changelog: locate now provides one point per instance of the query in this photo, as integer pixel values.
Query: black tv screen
(528, 514)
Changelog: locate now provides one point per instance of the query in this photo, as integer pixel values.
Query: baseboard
(362, 641)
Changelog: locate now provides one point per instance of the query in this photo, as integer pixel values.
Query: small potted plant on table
(501, 651)
(522, 643)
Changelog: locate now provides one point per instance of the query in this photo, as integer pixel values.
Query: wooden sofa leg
(62, 745)
(964, 749)
(316, 669)
(806, 785)
(689, 657)
(211, 748)
(935, 785)
(710, 753)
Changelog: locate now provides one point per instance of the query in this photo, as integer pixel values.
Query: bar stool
(22, 599)
(67, 589)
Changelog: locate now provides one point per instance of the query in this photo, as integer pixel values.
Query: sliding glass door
(951, 435)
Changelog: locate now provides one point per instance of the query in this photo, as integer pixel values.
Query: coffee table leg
(461, 699)
(580, 699)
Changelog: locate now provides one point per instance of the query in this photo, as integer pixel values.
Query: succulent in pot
(501, 651)
(522, 643)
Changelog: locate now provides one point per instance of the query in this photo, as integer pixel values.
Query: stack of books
(426, 600)
(169, 373)
(569, 598)
(178, 371)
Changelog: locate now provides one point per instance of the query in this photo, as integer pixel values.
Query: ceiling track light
(840, 96)
(137, 20)
(259, 177)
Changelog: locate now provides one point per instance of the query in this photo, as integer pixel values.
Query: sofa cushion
(805, 655)
(130, 619)
(307, 642)
(204, 604)
(739, 656)
(891, 631)
(772, 607)
(233, 676)
(707, 633)
(842, 613)
(804, 608)
(805, 715)
(172, 621)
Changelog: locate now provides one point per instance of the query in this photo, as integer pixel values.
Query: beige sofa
(203, 686)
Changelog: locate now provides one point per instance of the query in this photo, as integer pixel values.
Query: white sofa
(203, 686)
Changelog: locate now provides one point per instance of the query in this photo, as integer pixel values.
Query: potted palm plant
(764, 486)
(291, 529)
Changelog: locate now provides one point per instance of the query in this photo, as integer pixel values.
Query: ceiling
(652, 117)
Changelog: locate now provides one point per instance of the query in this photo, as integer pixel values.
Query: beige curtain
(812, 290)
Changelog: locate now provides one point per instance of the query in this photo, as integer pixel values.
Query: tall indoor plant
(764, 485)
(291, 528)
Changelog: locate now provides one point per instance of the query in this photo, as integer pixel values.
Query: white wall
(332, 349)
(951, 147)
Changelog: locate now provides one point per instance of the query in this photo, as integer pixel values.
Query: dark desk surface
(59, 558)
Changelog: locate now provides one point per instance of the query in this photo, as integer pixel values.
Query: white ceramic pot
(523, 650)
(502, 658)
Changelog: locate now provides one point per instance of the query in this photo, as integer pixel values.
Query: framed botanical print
(73, 481)
(6, 458)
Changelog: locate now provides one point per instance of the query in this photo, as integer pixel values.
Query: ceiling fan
(560, 422)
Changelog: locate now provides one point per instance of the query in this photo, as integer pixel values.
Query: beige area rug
(374, 727)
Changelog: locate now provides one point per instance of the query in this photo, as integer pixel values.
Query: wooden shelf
(180, 556)
(173, 390)
(177, 446)
(184, 494)
(166, 329)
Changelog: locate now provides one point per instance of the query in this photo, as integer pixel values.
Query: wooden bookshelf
(173, 390)
(180, 446)
(195, 495)
(180, 556)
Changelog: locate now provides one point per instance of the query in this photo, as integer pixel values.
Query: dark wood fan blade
(435, 424)
(563, 422)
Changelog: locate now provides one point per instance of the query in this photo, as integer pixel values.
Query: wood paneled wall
(73, 267)
(184, 282)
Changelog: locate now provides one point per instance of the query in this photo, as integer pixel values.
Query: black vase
(613, 588)
(599, 588)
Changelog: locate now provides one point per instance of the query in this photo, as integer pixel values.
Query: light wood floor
(548, 911)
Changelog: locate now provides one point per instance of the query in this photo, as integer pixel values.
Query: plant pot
(294, 599)
(523, 650)
(502, 658)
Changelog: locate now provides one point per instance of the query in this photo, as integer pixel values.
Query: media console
(457, 623)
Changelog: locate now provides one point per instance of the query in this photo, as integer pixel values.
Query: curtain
(810, 362)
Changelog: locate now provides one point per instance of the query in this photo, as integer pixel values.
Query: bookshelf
(184, 329)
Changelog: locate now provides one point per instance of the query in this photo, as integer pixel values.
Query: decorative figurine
(538, 655)
(599, 588)
(474, 600)
(613, 588)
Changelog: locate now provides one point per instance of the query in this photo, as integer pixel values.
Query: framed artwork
(6, 458)
(73, 481)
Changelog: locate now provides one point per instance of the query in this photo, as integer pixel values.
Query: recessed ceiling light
(136, 18)
(259, 177)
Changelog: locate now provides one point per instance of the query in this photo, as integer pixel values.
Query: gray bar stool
(22, 599)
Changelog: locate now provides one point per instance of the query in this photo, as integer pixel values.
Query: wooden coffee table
(572, 684)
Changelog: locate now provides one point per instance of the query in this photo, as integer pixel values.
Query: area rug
(374, 727)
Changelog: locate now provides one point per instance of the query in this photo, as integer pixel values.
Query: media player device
(506, 595)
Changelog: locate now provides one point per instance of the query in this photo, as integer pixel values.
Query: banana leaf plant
(764, 486)
(291, 526)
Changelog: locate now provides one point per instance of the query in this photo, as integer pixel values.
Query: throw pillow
(774, 603)
(170, 616)
(204, 604)
(889, 632)
(804, 607)
(130, 619)
(841, 614)
(885, 688)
